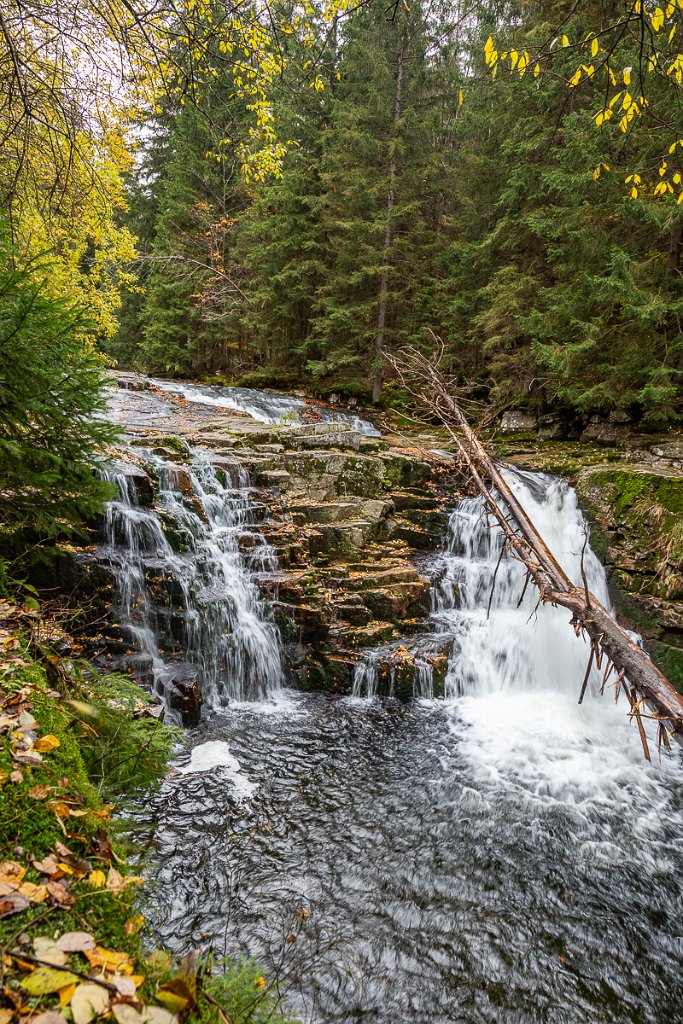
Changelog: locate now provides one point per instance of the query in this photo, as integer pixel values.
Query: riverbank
(76, 746)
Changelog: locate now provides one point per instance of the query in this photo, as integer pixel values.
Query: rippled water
(486, 861)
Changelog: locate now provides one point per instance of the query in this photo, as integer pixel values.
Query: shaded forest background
(419, 191)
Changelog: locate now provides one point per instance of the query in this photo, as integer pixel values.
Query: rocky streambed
(350, 519)
(353, 517)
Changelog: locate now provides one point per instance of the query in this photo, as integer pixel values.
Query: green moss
(668, 660)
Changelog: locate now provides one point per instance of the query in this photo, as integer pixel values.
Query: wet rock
(168, 446)
(402, 601)
(515, 420)
(372, 634)
(636, 512)
(184, 694)
(130, 381)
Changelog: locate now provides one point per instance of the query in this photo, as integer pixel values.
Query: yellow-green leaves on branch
(631, 67)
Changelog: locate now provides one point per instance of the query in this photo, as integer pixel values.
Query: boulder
(515, 421)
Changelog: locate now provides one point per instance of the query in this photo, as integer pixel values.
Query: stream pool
(506, 858)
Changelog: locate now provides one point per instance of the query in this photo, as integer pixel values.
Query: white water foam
(215, 755)
(516, 670)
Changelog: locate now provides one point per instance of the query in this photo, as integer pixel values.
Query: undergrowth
(72, 742)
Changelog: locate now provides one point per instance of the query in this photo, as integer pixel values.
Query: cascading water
(197, 594)
(504, 638)
(263, 405)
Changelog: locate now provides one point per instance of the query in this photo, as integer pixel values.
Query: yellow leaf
(627, 101)
(595, 47)
(109, 960)
(565, 40)
(97, 878)
(537, 70)
(66, 994)
(34, 893)
(173, 1001)
(133, 926)
(634, 192)
(460, 98)
(45, 980)
(45, 744)
(627, 76)
(576, 78)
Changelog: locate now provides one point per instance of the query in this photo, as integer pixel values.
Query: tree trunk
(388, 233)
(673, 262)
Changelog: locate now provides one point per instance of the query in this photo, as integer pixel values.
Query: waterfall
(186, 579)
(505, 640)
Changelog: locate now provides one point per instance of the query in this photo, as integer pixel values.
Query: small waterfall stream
(501, 855)
(197, 595)
(504, 638)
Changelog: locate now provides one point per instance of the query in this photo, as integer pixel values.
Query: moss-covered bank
(73, 946)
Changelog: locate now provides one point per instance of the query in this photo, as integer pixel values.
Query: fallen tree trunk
(634, 671)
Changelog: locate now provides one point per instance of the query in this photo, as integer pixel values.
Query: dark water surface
(496, 859)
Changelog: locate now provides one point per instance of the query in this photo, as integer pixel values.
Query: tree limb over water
(611, 646)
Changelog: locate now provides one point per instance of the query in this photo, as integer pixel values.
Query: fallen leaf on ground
(47, 866)
(125, 986)
(39, 792)
(124, 1013)
(59, 893)
(66, 994)
(13, 903)
(46, 743)
(45, 980)
(78, 865)
(33, 760)
(109, 960)
(88, 1002)
(116, 881)
(32, 892)
(76, 942)
(46, 949)
(49, 1017)
(158, 1015)
(10, 871)
(133, 926)
(97, 878)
